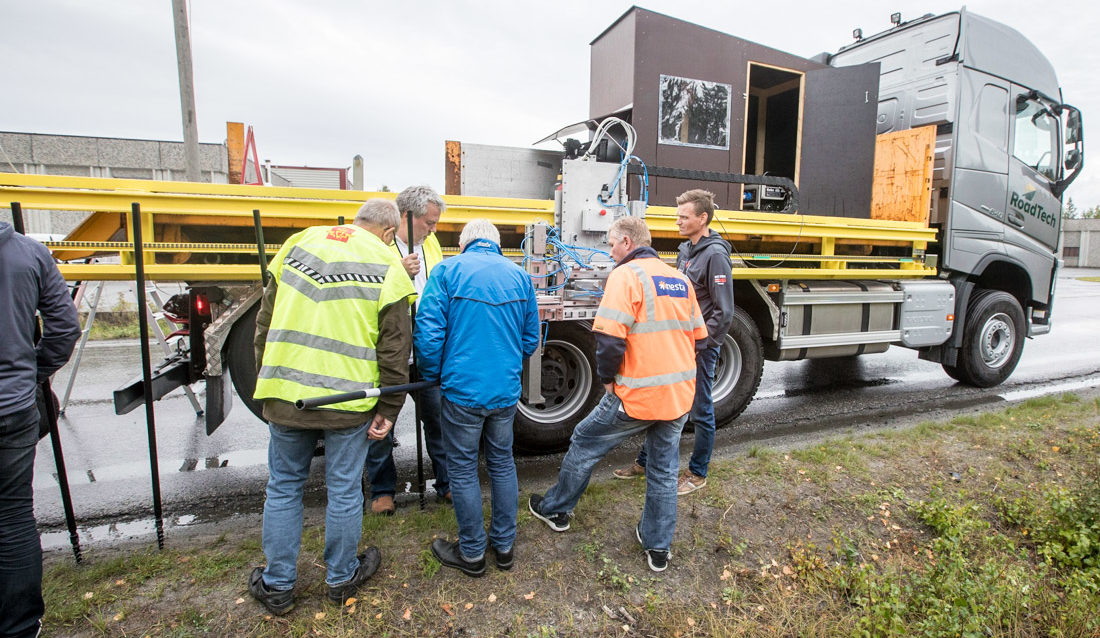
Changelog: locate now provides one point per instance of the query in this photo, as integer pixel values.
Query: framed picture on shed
(694, 112)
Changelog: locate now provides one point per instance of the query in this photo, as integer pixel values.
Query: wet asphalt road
(214, 478)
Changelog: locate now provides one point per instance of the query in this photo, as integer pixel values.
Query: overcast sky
(324, 80)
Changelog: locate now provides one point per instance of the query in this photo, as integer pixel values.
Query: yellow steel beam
(183, 204)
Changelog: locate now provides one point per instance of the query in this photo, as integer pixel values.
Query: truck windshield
(1036, 141)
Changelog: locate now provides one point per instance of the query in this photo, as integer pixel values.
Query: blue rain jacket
(477, 321)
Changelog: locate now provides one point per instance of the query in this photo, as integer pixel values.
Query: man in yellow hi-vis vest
(334, 318)
(647, 329)
(425, 206)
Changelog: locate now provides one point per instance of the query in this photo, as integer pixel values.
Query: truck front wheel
(740, 366)
(993, 339)
(570, 390)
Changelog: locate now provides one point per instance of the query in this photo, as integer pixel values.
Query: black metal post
(17, 218)
(146, 369)
(260, 247)
(62, 475)
(51, 418)
(412, 369)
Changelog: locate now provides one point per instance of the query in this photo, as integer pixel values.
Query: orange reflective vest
(652, 306)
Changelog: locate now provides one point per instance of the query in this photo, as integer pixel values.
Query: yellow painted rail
(183, 218)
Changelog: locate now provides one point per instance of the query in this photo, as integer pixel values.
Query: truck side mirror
(1073, 127)
(1073, 158)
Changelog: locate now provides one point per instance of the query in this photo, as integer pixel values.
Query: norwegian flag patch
(720, 280)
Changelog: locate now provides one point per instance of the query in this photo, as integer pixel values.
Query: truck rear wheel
(993, 339)
(242, 359)
(739, 368)
(570, 390)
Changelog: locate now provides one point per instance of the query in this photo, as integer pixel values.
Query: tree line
(1070, 211)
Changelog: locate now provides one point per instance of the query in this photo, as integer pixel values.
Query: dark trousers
(21, 604)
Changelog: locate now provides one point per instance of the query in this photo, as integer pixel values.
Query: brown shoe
(688, 483)
(633, 471)
(383, 505)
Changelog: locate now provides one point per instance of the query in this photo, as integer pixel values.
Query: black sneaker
(448, 554)
(504, 559)
(368, 564)
(277, 602)
(556, 522)
(657, 558)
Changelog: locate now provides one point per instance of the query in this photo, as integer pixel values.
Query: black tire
(241, 359)
(569, 386)
(740, 366)
(993, 339)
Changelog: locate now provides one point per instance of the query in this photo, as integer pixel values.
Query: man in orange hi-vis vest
(647, 330)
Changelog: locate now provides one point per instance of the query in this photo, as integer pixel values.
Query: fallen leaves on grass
(408, 613)
(492, 598)
(529, 596)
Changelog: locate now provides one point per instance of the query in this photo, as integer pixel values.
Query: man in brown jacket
(334, 319)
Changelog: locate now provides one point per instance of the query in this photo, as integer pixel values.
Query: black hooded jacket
(30, 281)
(707, 265)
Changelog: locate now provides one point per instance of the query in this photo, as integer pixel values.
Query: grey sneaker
(633, 471)
(657, 558)
(556, 522)
(689, 482)
(277, 602)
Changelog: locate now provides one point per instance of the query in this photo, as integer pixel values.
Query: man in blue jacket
(476, 323)
(29, 282)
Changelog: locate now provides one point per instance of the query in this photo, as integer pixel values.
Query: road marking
(1069, 386)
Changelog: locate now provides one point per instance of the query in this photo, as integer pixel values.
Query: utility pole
(187, 91)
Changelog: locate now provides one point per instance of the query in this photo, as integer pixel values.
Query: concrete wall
(79, 156)
(1083, 234)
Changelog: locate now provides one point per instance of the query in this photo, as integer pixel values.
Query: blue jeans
(288, 458)
(701, 415)
(464, 428)
(21, 604)
(381, 471)
(600, 432)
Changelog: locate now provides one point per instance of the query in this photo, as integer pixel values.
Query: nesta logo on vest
(670, 287)
(339, 233)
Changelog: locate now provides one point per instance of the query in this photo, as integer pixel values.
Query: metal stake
(146, 369)
(416, 395)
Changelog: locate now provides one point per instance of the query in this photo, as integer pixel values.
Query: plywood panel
(903, 175)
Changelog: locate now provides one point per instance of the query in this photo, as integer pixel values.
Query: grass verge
(981, 526)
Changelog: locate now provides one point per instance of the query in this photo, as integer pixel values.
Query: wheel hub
(566, 382)
(997, 340)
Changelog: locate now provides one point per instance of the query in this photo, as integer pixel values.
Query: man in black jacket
(705, 259)
(29, 282)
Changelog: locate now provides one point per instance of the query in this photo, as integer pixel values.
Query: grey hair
(415, 199)
(631, 227)
(379, 212)
(476, 229)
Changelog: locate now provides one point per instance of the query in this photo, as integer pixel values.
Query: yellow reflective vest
(332, 283)
(433, 253)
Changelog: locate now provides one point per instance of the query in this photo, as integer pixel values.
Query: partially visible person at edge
(477, 322)
(334, 318)
(705, 259)
(29, 282)
(425, 206)
(647, 329)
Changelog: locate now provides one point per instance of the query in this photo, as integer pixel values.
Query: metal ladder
(155, 309)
